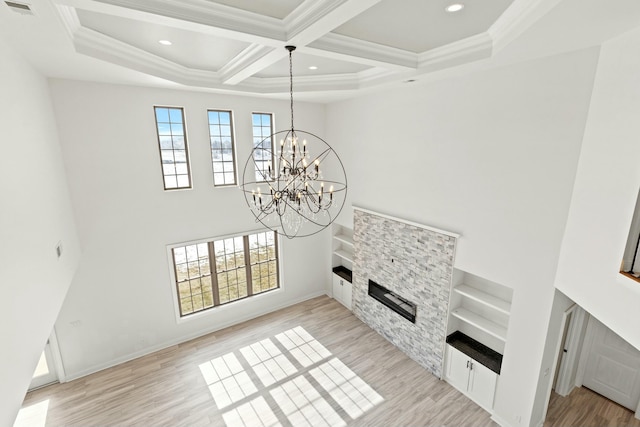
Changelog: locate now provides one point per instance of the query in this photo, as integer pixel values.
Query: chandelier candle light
(298, 186)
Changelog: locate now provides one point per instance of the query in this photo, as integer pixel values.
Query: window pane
(182, 272)
(207, 299)
(262, 130)
(186, 305)
(173, 147)
(206, 284)
(183, 181)
(195, 287)
(193, 281)
(170, 182)
(184, 289)
(162, 115)
(197, 303)
(180, 255)
(222, 147)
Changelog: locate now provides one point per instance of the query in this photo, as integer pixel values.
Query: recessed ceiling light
(164, 42)
(313, 67)
(455, 7)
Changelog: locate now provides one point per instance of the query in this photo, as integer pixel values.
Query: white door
(482, 384)
(613, 367)
(337, 288)
(45, 372)
(347, 294)
(457, 369)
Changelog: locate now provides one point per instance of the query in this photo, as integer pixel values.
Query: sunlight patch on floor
(33, 416)
(317, 395)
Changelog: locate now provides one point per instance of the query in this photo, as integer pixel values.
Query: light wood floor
(585, 408)
(311, 364)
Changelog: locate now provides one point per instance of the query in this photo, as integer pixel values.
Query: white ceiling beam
(308, 22)
(251, 68)
(313, 18)
(251, 55)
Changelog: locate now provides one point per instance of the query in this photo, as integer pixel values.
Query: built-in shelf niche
(480, 309)
(343, 247)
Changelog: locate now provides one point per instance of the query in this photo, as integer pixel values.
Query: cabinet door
(482, 385)
(457, 371)
(346, 294)
(337, 288)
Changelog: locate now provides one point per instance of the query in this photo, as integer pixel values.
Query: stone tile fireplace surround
(414, 262)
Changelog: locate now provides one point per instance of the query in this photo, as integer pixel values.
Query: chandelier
(293, 182)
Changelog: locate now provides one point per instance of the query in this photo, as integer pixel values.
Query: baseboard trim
(502, 422)
(123, 359)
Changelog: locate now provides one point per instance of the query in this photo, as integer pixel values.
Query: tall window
(217, 272)
(222, 147)
(173, 147)
(263, 156)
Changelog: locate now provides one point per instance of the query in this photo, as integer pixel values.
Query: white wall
(550, 357)
(35, 215)
(121, 297)
(605, 194)
(493, 156)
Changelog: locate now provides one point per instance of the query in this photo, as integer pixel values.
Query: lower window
(217, 272)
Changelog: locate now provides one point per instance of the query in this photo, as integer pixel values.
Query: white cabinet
(342, 291)
(473, 379)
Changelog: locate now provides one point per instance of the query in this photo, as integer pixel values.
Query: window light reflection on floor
(303, 406)
(255, 413)
(303, 346)
(347, 389)
(268, 362)
(228, 382)
(317, 395)
(33, 415)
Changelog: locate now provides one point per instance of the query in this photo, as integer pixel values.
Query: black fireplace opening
(395, 302)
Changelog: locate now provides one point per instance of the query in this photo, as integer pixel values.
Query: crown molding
(100, 46)
(304, 83)
(193, 15)
(69, 19)
(364, 52)
(518, 17)
(309, 27)
(470, 49)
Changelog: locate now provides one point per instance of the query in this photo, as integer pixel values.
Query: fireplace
(395, 302)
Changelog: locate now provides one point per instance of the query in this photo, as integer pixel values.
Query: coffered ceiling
(238, 45)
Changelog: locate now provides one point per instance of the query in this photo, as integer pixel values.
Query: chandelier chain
(291, 85)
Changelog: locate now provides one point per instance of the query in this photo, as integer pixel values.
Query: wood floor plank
(361, 380)
(585, 408)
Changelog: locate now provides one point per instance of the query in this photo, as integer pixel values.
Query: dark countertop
(343, 272)
(476, 350)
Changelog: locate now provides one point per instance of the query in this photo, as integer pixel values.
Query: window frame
(173, 278)
(274, 144)
(233, 147)
(186, 147)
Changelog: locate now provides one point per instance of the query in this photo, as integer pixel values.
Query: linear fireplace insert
(395, 302)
